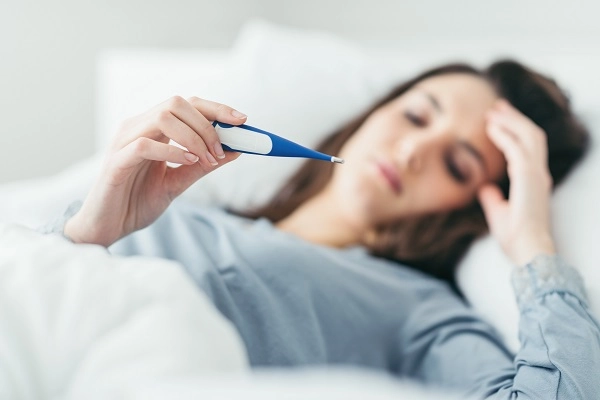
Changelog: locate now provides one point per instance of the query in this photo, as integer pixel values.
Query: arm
(447, 344)
(560, 340)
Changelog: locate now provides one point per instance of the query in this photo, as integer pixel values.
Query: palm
(149, 195)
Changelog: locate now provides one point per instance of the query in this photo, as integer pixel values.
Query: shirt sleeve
(57, 225)
(446, 344)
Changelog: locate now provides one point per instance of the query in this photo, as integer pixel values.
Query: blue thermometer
(248, 139)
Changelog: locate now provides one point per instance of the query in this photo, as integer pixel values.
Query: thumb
(492, 201)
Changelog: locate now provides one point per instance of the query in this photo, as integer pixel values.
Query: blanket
(79, 323)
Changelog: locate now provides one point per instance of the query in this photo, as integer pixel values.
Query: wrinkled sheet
(76, 322)
(79, 323)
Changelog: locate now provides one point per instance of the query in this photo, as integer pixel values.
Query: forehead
(464, 100)
(467, 94)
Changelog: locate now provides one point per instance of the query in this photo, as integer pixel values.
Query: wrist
(528, 249)
(79, 231)
(546, 274)
(71, 231)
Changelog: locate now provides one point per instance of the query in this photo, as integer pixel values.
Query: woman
(341, 267)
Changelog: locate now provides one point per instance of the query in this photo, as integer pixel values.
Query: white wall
(47, 67)
(48, 50)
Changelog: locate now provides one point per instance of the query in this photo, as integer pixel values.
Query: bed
(78, 323)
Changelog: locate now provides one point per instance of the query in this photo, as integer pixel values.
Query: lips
(391, 175)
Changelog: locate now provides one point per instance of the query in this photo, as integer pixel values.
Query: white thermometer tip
(337, 160)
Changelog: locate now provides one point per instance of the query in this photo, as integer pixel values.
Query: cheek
(441, 195)
(373, 136)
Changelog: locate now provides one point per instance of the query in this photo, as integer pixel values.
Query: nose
(413, 150)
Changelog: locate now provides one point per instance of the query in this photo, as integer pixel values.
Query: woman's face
(424, 152)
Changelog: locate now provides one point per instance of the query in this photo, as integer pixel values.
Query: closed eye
(414, 119)
(454, 170)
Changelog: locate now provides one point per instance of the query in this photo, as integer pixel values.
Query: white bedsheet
(78, 323)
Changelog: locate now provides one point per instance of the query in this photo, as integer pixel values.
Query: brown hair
(436, 243)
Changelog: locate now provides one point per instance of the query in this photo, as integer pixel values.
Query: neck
(323, 220)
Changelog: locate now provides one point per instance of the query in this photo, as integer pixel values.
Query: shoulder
(419, 283)
(434, 299)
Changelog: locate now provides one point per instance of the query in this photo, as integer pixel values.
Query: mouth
(391, 176)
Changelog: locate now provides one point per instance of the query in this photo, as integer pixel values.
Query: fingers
(182, 122)
(507, 143)
(144, 148)
(523, 143)
(531, 136)
(185, 123)
(181, 178)
(217, 112)
(492, 202)
(193, 118)
(175, 129)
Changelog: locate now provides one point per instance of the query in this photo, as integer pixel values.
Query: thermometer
(248, 139)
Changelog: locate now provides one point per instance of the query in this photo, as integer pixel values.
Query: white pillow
(130, 81)
(35, 202)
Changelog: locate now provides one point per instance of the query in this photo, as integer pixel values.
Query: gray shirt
(297, 304)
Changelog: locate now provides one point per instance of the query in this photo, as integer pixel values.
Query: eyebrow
(462, 143)
(433, 100)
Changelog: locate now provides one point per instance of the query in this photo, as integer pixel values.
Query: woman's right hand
(136, 185)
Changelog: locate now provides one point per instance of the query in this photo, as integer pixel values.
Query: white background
(48, 50)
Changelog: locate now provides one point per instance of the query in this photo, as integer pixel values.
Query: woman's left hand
(522, 223)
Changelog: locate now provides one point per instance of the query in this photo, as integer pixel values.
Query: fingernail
(219, 150)
(238, 114)
(211, 159)
(191, 157)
